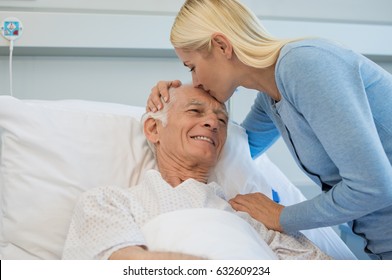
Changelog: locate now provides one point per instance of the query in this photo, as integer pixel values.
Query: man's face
(197, 128)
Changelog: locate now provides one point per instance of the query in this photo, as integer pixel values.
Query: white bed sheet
(192, 231)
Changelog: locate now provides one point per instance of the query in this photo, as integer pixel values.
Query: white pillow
(52, 151)
(236, 171)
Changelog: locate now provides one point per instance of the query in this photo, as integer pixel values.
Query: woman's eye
(191, 69)
(194, 110)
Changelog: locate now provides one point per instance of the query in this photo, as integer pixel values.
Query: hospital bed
(53, 151)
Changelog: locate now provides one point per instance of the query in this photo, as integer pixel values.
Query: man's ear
(151, 130)
(223, 44)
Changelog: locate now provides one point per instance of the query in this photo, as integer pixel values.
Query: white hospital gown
(110, 218)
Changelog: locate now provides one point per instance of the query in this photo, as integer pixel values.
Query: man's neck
(175, 173)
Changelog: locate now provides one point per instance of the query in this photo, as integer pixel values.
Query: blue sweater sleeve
(328, 89)
(262, 132)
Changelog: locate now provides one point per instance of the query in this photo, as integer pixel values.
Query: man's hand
(141, 253)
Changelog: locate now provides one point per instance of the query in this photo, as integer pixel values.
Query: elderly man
(187, 138)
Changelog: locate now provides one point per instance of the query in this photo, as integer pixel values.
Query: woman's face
(210, 71)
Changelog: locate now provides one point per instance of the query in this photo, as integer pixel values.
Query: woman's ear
(220, 41)
(150, 130)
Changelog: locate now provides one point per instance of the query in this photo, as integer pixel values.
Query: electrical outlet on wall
(11, 28)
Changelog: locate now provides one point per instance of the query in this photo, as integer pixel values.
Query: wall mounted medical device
(11, 29)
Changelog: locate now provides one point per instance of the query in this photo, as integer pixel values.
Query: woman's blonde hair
(197, 20)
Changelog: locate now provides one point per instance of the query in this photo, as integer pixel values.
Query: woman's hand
(259, 207)
(154, 102)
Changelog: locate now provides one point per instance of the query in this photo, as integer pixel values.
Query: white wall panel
(376, 11)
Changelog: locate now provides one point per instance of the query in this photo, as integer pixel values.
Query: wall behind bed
(116, 50)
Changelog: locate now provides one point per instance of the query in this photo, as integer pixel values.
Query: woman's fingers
(158, 92)
(260, 207)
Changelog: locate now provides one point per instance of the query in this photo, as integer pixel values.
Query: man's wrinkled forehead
(220, 107)
(187, 95)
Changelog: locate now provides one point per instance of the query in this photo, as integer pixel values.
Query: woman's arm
(328, 88)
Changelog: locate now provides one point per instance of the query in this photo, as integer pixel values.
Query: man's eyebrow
(222, 111)
(195, 102)
(185, 64)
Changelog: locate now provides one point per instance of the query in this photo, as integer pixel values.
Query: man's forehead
(196, 94)
(210, 102)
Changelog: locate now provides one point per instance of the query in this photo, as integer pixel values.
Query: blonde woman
(331, 106)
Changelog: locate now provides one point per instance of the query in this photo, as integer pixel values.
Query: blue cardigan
(335, 116)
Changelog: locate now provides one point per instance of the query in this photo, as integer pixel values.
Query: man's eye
(194, 110)
(224, 121)
(191, 69)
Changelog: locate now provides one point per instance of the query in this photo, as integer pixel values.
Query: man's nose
(211, 121)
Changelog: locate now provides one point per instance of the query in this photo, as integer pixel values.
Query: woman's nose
(196, 82)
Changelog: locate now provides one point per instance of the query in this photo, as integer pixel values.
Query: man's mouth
(204, 138)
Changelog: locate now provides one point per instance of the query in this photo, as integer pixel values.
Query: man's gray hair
(160, 115)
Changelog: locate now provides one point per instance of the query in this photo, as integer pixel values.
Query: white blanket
(210, 233)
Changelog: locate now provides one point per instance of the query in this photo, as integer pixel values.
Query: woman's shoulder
(312, 44)
(312, 52)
